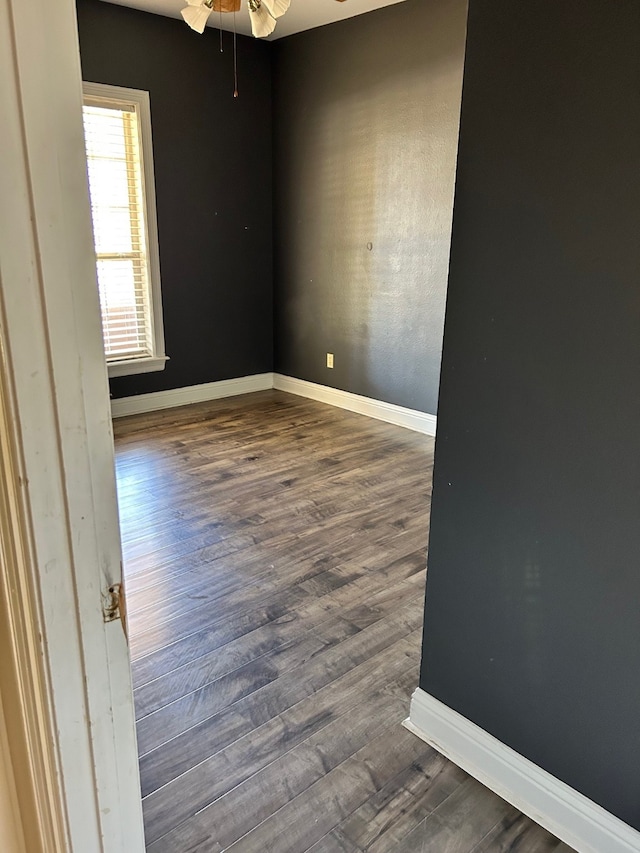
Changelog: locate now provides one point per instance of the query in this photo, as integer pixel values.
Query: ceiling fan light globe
(262, 23)
(196, 16)
(277, 8)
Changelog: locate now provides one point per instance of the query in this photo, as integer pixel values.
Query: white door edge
(51, 336)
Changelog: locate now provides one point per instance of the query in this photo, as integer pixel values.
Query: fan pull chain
(235, 58)
(221, 48)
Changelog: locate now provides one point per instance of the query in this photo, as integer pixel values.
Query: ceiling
(302, 15)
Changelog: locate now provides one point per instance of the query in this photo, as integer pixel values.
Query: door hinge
(114, 605)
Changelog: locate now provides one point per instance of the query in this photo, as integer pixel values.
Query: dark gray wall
(212, 158)
(366, 122)
(532, 624)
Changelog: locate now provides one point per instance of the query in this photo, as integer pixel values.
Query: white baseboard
(409, 418)
(142, 403)
(191, 394)
(569, 815)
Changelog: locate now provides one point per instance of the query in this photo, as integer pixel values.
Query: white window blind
(114, 149)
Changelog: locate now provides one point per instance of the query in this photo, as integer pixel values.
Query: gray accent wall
(532, 625)
(365, 133)
(213, 169)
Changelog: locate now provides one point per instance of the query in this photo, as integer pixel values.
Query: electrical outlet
(329, 359)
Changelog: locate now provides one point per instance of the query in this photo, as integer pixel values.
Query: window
(117, 129)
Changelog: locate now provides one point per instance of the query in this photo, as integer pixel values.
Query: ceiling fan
(263, 13)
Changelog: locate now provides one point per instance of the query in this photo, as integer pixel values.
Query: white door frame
(58, 404)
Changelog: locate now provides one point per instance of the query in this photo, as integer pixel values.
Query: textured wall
(212, 158)
(532, 625)
(366, 124)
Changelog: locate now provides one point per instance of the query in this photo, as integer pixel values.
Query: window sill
(136, 365)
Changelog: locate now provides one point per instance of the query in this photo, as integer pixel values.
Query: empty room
(309, 308)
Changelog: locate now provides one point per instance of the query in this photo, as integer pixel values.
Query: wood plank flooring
(275, 565)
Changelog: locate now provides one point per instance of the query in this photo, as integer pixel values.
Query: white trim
(388, 412)
(131, 366)
(24, 683)
(119, 94)
(556, 806)
(392, 414)
(51, 343)
(191, 394)
(11, 820)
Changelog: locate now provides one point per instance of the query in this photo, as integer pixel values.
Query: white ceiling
(302, 15)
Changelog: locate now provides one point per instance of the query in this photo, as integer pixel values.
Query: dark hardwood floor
(275, 565)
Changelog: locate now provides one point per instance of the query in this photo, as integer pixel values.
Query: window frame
(114, 96)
